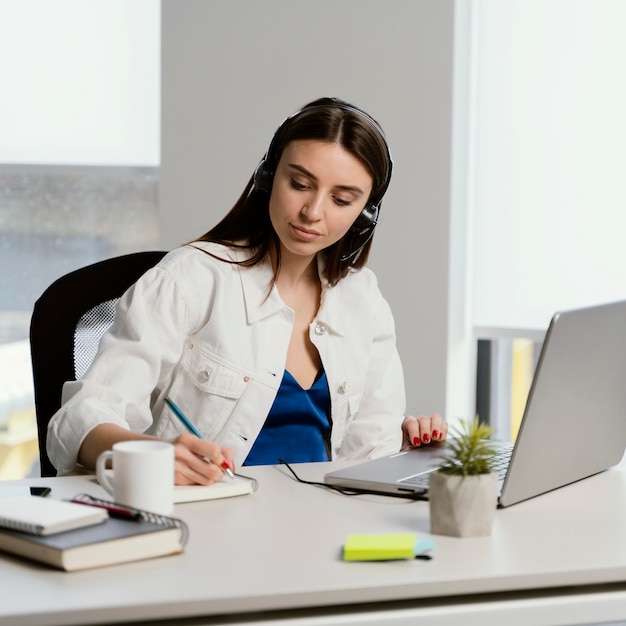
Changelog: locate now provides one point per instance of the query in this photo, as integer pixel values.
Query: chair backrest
(68, 321)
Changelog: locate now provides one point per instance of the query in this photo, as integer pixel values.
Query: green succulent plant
(469, 451)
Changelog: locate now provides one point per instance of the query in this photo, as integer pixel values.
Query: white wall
(232, 70)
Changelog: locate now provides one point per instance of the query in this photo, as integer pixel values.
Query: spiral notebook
(44, 516)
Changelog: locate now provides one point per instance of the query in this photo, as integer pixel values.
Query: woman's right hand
(199, 461)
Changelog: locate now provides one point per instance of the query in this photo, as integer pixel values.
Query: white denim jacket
(207, 334)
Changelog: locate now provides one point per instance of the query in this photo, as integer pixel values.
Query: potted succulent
(463, 488)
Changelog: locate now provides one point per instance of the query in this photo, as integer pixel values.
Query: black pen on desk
(190, 427)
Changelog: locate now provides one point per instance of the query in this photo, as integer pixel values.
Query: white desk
(556, 559)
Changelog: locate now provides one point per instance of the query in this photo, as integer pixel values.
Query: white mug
(143, 474)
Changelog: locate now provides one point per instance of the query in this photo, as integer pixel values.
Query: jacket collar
(255, 282)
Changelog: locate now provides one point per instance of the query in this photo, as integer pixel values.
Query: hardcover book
(114, 541)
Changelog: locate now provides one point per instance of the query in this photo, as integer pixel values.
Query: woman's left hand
(423, 430)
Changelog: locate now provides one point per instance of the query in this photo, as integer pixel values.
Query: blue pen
(189, 426)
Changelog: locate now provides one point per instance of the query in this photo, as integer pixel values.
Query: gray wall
(232, 70)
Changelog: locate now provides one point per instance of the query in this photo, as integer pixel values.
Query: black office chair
(68, 322)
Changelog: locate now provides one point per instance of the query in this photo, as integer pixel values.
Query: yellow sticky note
(384, 547)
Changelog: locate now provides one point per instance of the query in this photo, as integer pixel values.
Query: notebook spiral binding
(146, 516)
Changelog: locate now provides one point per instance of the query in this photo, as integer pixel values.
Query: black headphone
(363, 227)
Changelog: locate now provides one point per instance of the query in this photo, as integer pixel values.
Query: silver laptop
(574, 424)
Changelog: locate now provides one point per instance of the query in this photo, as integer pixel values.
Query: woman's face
(319, 190)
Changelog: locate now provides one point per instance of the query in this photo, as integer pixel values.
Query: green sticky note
(384, 547)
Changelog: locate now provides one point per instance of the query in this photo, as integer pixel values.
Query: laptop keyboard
(420, 481)
(502, 461)
(500, 466)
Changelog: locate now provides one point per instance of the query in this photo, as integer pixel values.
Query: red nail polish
(426, 438)
(435, 434)
(416, 441)
(225, 465)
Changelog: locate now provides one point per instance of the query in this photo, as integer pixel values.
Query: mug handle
(103, 479)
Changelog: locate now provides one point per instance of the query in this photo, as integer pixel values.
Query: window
(79, 157)
(547, 132)
(547, 156)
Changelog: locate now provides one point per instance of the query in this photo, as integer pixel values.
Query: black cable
(346, 491)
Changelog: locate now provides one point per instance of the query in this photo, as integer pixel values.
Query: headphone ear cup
(360, 232)
(263, 177)
(366, 222)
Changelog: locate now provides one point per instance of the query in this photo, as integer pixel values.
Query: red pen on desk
(115, 510)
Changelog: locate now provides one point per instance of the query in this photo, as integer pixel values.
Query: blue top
(297, 428)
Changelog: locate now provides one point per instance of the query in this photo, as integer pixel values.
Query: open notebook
(574, 424)
(225, 488)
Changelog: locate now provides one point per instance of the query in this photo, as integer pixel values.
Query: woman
(268, 332)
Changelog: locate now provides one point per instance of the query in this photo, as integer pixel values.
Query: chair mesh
(88, 332)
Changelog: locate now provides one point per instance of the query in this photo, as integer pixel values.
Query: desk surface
(279, 550)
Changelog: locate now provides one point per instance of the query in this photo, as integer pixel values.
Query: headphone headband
(264, 173)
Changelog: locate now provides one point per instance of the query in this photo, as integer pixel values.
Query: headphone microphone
(362, 230)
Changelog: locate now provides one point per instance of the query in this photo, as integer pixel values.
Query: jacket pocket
(214, 375)
(206, 388)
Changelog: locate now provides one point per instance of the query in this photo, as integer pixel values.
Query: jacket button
(343, 388)
(319, 329)
(203, 376)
